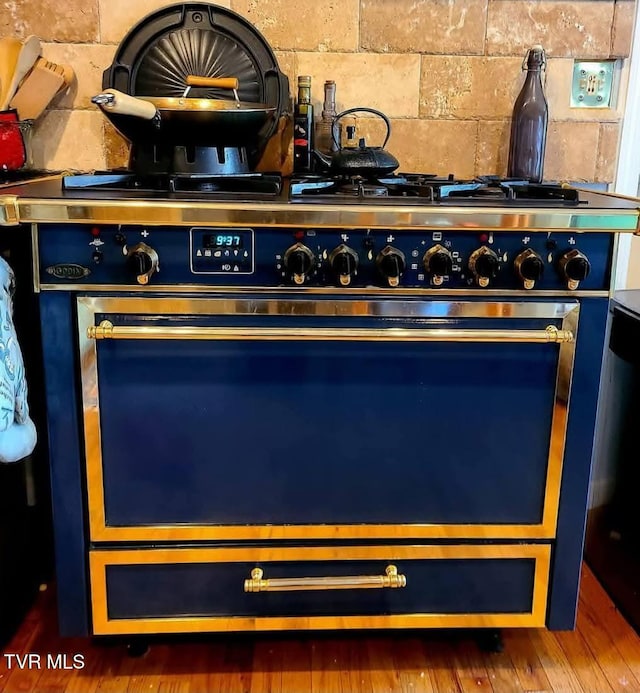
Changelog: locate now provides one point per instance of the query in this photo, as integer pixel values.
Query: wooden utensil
(9, 51)
(68, 74)
(38, 89)
(29, 53)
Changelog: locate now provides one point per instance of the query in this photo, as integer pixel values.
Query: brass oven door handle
(549, 335)
(391, 578)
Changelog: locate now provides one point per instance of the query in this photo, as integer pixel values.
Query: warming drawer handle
(391, 578)
(549, 335)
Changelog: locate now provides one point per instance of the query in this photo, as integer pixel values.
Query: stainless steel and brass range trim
(9, 211)
(304, 215)
(100, 560)
(311, 307)
(89, 307)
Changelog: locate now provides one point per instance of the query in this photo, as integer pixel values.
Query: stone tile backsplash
(446, 72)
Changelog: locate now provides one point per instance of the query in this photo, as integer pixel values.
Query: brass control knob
(344, 262)
(575, 267)
(484, 264)
(438, 263)
(299, 261)
(143, 261)
(529, 267)
(391, 264)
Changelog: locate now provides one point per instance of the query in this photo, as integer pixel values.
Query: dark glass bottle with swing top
(529, 123)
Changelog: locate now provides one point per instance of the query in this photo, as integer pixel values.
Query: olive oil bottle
(303, 128)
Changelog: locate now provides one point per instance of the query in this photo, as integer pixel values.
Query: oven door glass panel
(235, 432)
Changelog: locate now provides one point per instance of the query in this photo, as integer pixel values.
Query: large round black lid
(200, 39)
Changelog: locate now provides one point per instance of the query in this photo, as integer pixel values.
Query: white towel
(17, 432)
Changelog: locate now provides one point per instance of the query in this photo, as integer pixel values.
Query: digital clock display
(223, 240)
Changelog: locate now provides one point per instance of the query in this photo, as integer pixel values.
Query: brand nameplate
(68, 271)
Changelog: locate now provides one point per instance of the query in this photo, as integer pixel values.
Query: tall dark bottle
(529, 122)
(303, 128)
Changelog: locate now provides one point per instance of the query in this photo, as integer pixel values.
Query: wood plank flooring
(601, 656)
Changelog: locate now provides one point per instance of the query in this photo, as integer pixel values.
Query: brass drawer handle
(550, 335)
(391, 578)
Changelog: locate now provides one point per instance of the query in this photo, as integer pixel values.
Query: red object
(12, 150)
(298, 235)
(484, 237)
(95, 231)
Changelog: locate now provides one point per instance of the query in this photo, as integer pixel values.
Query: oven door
(270, 418)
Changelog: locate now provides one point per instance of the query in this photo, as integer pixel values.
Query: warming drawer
(290, 588)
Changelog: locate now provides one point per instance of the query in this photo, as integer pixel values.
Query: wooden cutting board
(38, 89)
(29, 54)
(9, 51)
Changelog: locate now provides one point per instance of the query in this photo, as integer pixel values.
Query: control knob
(484, 264)
(576, 267)
(529, 267)
(142, 260)
(438, 263)
(391, 264)
(344, 262)
(299, 261)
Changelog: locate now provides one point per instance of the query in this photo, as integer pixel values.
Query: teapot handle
(356, 110)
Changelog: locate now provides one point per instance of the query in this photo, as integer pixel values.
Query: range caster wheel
(490, 640)
(137, 648)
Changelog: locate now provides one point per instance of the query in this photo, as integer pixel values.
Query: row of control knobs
(484, 264)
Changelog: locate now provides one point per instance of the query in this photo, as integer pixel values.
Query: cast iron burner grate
(237, 186)
(427, 188)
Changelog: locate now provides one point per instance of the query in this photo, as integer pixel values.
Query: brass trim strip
(550, 335)
(88, 307)
(335, 532)
(559, 422)
(284, 214)
(266, 554)
(333, 291)
(35, 258)
(9, 211)
(619, 196)
(258, 583)
(103, 625)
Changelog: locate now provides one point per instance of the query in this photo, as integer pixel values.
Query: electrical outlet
(592, 84)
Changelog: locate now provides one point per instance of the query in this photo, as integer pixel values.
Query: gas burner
(237, 186)
(428, 188)
(338, 186)
(361, 187)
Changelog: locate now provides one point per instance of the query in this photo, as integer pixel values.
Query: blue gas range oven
(320, 410)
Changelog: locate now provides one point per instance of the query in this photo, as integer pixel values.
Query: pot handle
(114, 101)
(213, 82)
(365, 110)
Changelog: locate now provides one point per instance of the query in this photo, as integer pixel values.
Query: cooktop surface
(401, 190)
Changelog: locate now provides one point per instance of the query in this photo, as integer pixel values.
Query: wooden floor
(601, 656)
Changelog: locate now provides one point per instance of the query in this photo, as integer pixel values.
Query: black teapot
(360, 160)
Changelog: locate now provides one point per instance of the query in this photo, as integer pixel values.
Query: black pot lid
(164, 66)
(200, 39)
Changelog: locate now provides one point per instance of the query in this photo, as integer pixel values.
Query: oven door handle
(548, 335)
(391, 578)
